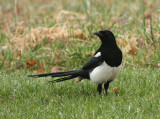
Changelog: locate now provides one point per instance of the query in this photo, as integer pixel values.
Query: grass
(137, 85)
(137, 97)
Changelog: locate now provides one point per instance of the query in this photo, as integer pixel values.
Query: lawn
(137, 96)
(47, 36)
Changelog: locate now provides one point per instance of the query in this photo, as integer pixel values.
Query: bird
(101, 69)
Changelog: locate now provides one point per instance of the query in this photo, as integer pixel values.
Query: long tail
(65, 75)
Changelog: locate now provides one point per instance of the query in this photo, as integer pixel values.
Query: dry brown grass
(26, 24)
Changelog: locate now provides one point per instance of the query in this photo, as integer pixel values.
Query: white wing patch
(98, 54)
(104, 73)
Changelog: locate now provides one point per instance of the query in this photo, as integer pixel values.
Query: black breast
(112, 56)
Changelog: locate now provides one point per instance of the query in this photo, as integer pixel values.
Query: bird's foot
(79, 79)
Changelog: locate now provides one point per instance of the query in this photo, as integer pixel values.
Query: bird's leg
(99, 88)
(106, 85)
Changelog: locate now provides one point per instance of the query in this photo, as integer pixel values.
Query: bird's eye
(103, 32)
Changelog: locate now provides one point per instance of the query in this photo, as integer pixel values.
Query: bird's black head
(106, 36)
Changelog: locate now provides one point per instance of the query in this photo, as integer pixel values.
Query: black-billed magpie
(103, 68)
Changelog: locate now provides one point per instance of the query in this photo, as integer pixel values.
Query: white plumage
(104, 72)
(98, 54)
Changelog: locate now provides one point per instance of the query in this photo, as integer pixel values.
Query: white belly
(104, 73)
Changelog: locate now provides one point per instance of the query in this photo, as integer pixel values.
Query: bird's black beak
(98, 33)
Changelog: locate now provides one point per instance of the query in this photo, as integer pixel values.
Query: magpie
(101, 69)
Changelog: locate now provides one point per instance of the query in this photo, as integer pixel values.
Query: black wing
(92, 63)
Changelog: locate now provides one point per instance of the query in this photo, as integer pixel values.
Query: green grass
(137, 97)
(137, 85)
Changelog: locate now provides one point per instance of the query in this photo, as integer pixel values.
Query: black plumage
(106, 63)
